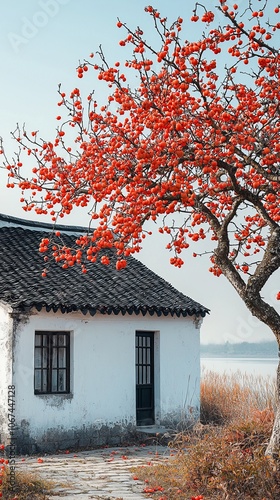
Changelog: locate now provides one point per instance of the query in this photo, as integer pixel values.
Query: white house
(85, 359)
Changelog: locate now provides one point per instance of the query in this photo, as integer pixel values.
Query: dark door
(145, 407)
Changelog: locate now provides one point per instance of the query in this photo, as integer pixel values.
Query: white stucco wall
(103, 371)
(6, 376)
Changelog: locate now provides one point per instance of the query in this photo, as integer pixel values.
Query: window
(52, 363)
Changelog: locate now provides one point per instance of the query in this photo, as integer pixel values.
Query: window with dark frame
(52, 363)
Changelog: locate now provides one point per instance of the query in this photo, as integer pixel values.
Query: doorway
(145, 404)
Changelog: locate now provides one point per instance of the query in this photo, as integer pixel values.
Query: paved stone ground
(98, 474)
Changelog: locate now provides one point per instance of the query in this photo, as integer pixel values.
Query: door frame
(145, 414)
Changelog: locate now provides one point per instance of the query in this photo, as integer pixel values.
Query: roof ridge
(17, 221)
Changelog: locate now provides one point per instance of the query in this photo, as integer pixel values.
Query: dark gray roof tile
(135, 289)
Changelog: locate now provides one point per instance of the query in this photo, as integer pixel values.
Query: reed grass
(226, 398)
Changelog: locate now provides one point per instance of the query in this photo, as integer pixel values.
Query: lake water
(251, 366)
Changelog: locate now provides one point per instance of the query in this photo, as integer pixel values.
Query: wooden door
(145, 407)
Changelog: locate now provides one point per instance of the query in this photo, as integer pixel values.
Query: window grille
(52, 363)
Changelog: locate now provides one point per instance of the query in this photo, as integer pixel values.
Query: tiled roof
(135, 289)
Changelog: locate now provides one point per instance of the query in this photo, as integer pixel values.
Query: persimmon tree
(194, 146)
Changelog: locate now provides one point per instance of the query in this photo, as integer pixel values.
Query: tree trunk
(250, 294)
(273, 448)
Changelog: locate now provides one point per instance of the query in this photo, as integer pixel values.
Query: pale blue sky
(41, 43)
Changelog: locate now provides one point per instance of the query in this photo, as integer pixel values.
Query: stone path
(98, 474)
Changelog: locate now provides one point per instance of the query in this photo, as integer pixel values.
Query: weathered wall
(101, 406)
(6, 376)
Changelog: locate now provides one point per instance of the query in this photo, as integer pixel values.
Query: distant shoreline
(251, 350)
(238, 356)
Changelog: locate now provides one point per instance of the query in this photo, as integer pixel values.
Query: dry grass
(227, 398)
(27, 487)
(225, 459)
